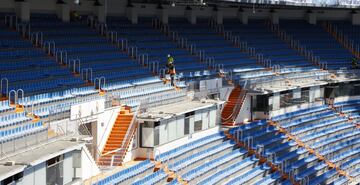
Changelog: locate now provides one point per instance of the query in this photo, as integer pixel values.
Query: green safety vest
(170, 60)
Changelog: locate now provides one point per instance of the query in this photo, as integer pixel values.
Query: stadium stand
(319, 42)
(80, 42)
(264, 94)
(29, 68)
(256, 35)
(155, 45)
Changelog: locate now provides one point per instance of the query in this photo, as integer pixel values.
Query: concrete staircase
(230, 112)
(116, 145)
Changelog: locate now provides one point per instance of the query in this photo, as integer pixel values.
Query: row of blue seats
(215, 178)
(249, 176)
(42, 86)
(334, 139)
(5, 133)
(326, 132)
(346, 103)
(319, 42)
(13, 119)
(47, 111)
(20, 54)
(126, 174)
(154, 178)
(5, 106)
(28, 58)
(274, 146)
(39, 130)
(299, 121)
(163, 157)
(265, 42)
(151, 41)
(11, 44)
(36, 75)
(317, 125)
(340, 146)
(213, 164)
(26, 64)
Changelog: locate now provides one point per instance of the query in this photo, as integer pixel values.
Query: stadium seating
(210, 160)
(128, 175)
(29, 68)
(258, 36)
(18, 131)
(351, 108)
(5, 106)
(217, 47)
(348, 30)
(330, 134)
(319, 42)
(158, 177)
(156, 45)
(303, 144)
(296, 161)
(81, 42)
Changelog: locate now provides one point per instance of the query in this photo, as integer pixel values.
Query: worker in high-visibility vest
(171, 69)
(170, 60)
(74, 16)
(354, 63)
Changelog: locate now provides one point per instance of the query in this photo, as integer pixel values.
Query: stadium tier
(319, 42)
(179, 92)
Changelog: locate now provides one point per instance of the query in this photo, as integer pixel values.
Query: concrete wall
(186, 139)
(35, 175)
(172, 128)
(245, 112)
(105, 123)
(68, 171)
(88, 165)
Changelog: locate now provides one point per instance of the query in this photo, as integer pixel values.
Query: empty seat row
(129, 174)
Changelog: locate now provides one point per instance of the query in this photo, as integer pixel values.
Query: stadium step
(229, 113)
(116, 140)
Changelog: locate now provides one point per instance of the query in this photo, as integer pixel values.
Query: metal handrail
(47, 45)
(1, 86)
(100, 79)
(87, 132)
(88, 72)
(239, 104)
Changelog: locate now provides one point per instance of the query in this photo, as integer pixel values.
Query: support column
(218, 16)
(63, 12)
(190, 15)
(314, 93)
(22, 11)
(163, 15)
(274, 16)
(276, 101)
(311, 18)
(243, 16)
(99, 11)
(132, 15)
(355, 19)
